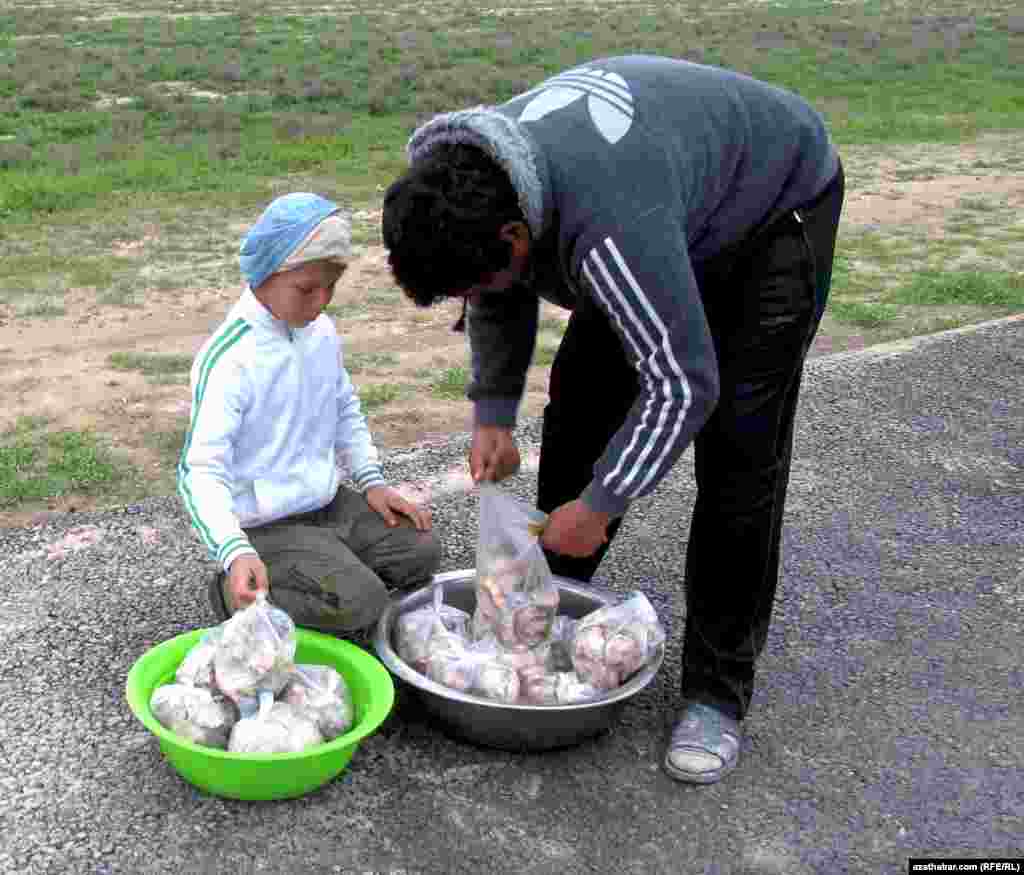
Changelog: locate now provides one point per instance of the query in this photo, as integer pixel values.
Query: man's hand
(575, 530)
(388, 502)
(493, 455)
(247, 578)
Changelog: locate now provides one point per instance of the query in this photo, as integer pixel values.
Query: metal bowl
(496, 724)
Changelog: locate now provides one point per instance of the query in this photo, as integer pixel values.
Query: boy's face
(298, 296)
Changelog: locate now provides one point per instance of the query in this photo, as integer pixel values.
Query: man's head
(294, 255)
(453, 227)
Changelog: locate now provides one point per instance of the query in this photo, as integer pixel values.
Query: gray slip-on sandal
(705, 745)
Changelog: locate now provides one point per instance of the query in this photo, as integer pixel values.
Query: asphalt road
(888, 722)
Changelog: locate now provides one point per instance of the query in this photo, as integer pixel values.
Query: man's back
(718, 151)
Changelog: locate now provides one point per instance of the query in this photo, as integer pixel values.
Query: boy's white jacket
(273, 413)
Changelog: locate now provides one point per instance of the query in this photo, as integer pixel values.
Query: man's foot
(215, 592)
(705, 745)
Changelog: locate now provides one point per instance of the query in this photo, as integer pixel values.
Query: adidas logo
(609, 100)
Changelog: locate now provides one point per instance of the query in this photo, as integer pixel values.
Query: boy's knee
(430, 553)
(335, 602)
(427, 556)
(415, 562)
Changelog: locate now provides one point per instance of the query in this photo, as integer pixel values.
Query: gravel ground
(887, 723)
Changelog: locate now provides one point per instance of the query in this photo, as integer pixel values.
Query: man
(687, 217)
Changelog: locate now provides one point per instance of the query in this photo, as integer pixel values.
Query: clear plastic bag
(277, 727)
(612, 643)
(540, 686)
(477, 670)
(256, 652)
(436, 627)
(196, 668)
(496, 681)
(320, 693)
(516, 598)
(525, 659)
(194, 713)
(560, 652)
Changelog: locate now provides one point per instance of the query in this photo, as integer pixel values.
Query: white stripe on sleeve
(648, 349)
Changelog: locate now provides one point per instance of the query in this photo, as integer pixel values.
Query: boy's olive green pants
(331, 569)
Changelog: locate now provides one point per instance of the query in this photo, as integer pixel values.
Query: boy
(272, 405)
(687, 217)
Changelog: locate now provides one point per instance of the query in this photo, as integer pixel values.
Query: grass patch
(962, 225)
(884, 250)
(350, 311)
(977, 205)
(166, 282)
(910, 174)
(43, 310)
(95, 272)
(552, 325)
(169, 379)
(119, 296)
(374, 397)
(450, 383)
(360, 362)
(862, 314)
(334, 96)
(37, 465)
(168, 444)
(931, 326)
(357, 160)
(364, 234)
(975, 288)
(544, 354)
(550, 331)
(388, 297)
(51, 270)
(847, 281)
(153, 365)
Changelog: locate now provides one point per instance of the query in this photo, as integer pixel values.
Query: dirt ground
(58, 367)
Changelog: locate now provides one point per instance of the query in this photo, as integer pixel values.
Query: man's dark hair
(442, 219)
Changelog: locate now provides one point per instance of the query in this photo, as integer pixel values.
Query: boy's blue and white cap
(295, 229)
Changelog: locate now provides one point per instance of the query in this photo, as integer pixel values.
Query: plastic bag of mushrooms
(515, 647)
(239, 689)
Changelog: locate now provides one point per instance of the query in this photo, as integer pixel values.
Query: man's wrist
(495, 412)
(600, 500)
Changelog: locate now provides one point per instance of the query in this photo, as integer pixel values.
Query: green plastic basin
(266, 776)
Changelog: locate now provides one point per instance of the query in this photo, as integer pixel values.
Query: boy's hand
(247, 578)
(389, 502)
(493, 455)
